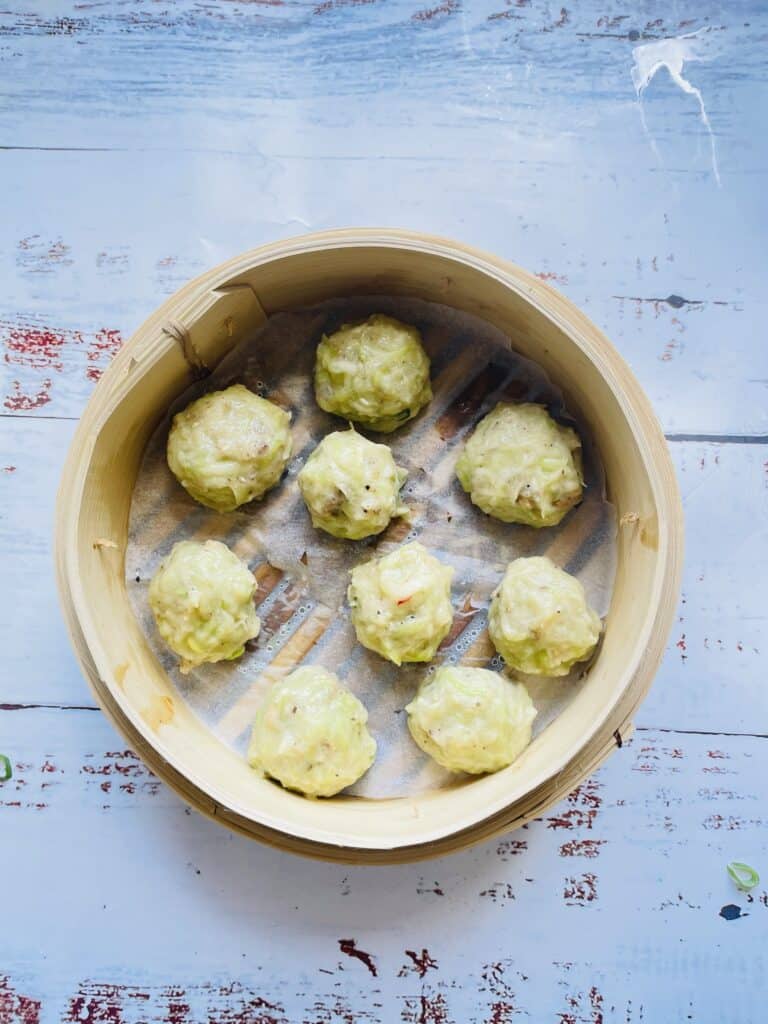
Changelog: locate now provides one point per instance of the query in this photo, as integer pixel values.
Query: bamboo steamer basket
(186, 337)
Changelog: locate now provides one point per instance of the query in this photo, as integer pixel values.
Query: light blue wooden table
(617, 149)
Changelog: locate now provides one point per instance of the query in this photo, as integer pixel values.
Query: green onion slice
(5, 768)
(743, 876)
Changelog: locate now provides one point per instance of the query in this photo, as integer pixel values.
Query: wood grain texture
(515, 127)
(349, 114)
(619, 889)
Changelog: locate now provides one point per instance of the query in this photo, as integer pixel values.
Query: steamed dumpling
(401, 603)
(521, 466)
(202, 601)
(539, 620)
(351, 486)
(375, 373)
(471, 720)
(310, 734)
(229, 447)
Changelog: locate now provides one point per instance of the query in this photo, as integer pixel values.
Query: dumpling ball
(521, 466)
(311, 735)
(375, 373)
(539, 620)
(401, 603)
(202, 601)
(471, 720)
(351, 486)
(229, 447)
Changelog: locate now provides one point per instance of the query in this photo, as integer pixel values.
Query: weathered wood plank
(350, 113)
(608, 909)
(712, 677)
(163, 138)
(713, 674)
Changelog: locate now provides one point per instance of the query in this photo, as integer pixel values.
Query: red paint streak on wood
(120, 762)
(37, 256)
(112, 261)
(550, 275)
(422, 962)
(427, 1008)
(422, 889)
(730, 823)
(582, 848)
(596, 1004)
(103, 346)
(580, 890)
(330, 5)
(447, 7)
(511, 848)
(499, 892)
(16, 1008)
(132, 774)
(585, 803)
(501, 1012)
(503, 1009)
(578, 1013)
(100, 1003)
(39, 348)
(21, 401)
(326, 1009)
(349, 948)
(108, 1003)
(237, 1004)
(177, 1008)
(25, 775)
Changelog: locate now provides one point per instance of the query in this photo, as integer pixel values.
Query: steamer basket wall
(191, 332)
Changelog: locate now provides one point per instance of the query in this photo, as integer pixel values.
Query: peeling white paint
(673, 54)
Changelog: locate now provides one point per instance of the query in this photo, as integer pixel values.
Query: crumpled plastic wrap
(303, 572)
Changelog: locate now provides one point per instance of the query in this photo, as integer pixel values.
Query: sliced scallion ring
(6, 771)
(743, 876)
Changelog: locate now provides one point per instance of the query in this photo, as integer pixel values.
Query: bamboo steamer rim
(496, 813)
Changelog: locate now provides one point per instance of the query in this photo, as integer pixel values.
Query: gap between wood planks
(639, 728)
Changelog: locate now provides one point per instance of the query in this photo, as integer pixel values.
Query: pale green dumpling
(310, 734)
(471, 720)
(351, 486)
(401, 604)
(520, 466)
(229, 447)
(375, 373)
(539, 619)
(202, 601)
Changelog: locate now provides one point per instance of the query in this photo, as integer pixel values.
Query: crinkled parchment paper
(303, 572)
